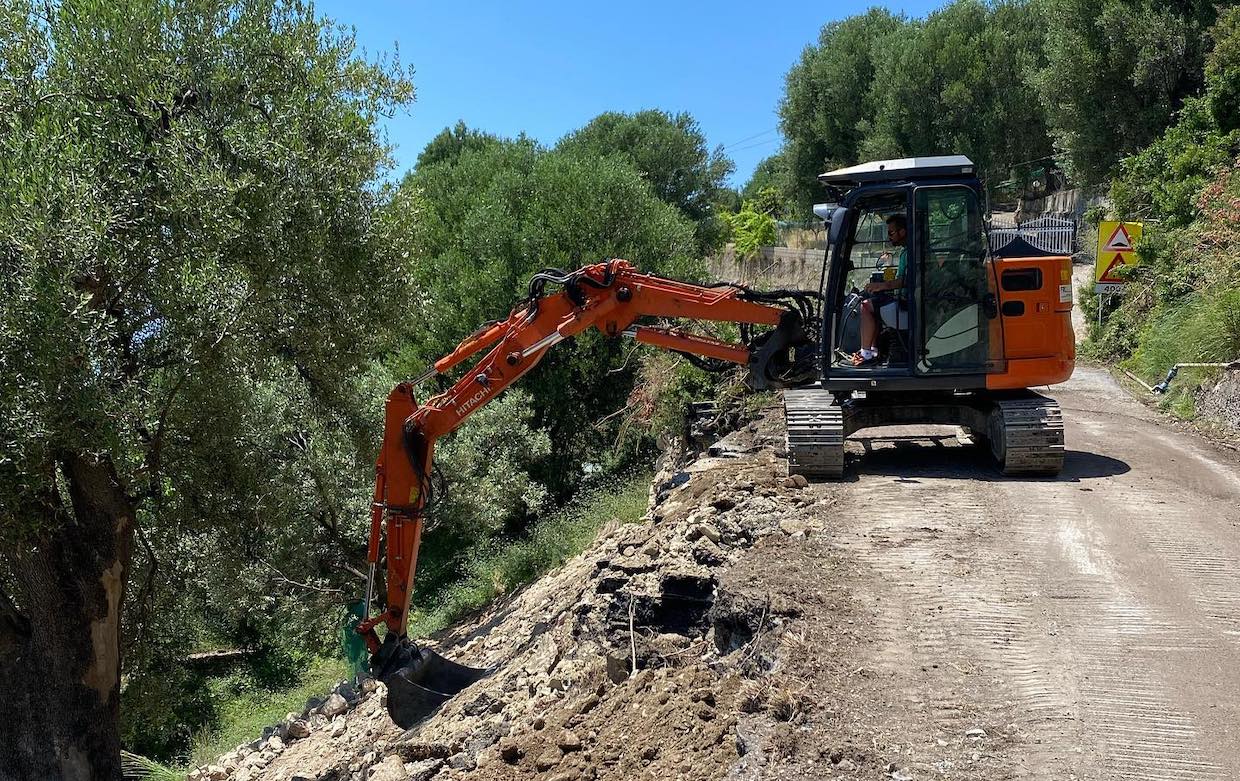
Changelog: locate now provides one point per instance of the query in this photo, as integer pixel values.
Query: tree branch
(280, 576)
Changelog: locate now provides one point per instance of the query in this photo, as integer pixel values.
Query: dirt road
(1085, 627)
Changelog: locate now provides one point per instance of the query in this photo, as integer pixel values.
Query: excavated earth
(925, 618)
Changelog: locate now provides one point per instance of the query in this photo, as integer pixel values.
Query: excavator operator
(893, 309)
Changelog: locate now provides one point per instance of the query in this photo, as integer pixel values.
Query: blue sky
(548, 68)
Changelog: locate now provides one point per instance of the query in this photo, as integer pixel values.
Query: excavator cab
(942, 320)
(961, 332)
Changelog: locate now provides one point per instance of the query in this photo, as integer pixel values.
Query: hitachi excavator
(972, 331)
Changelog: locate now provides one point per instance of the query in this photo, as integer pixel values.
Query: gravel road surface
(1085, 627)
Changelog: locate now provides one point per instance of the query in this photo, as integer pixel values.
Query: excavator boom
(610, 297)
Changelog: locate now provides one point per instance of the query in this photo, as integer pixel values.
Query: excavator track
(815, 433)
(1026, 435)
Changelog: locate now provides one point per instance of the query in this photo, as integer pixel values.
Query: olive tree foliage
(956, 83)
(770, 186)
(827, 110)
(670, 151)
(494, 216)
(450, 142)
(1164, 180)
(1223, 70)
(1116, 72)
(879, 86)
(197, 269)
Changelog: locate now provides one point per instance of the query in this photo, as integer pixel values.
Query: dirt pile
(640, 658)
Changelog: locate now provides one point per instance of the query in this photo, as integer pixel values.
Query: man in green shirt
(889, 303)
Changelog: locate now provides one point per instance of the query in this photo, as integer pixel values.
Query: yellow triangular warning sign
(1115, 265)
(1119, 241)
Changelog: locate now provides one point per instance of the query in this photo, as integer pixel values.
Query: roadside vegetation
(1182, 304)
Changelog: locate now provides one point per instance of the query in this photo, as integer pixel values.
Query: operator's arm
(894, 284)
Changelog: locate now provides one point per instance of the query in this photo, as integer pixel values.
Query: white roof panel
(904, 168)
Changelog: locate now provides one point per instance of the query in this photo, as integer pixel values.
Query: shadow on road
(910, 458)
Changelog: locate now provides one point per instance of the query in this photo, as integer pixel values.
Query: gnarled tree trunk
(60, 632)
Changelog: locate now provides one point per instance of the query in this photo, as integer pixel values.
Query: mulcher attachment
(1026, 435)
(418, 680)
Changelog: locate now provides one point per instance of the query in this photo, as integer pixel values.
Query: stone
(298, 729)
(976, 732)
(794, 527)
(347, 690)
(707, 553)
(482, 704)
(339, 726)
(483, 738)
(390, 769)
(795, 481)
(334, 706)
(424, 770)
(700, 530)
(462, 761)
(568, 741)
(216, 773)
(547, 760)
(274, 745)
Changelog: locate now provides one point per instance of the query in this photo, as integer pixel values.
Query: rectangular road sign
(1116, 250)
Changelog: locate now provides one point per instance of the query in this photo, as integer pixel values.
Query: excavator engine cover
(418, 680)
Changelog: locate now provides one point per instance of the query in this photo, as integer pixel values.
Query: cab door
(957, 330)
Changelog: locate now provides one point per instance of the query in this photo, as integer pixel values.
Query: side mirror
(838, 216)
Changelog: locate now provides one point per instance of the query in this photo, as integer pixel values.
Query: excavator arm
(611, 297)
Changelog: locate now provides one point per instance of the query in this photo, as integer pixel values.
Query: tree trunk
(60, 635)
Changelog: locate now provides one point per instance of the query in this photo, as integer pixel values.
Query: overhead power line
(750, 138)
(758, 144)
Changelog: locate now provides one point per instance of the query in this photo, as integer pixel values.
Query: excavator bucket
(418, 680)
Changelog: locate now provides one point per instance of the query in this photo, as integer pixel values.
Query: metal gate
(1050, 234)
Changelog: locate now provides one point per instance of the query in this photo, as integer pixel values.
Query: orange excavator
(610, 297)
(916, 321)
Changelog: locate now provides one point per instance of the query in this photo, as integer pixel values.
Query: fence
(1051, 234)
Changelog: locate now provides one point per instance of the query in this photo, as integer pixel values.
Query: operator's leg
(869, 335)
(869, 326)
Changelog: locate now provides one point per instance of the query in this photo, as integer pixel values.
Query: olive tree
(670, 152)
(196, 265)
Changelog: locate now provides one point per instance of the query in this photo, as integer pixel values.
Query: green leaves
(1116, 72)
(751, 229)
(198, 270)
(669, 151)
